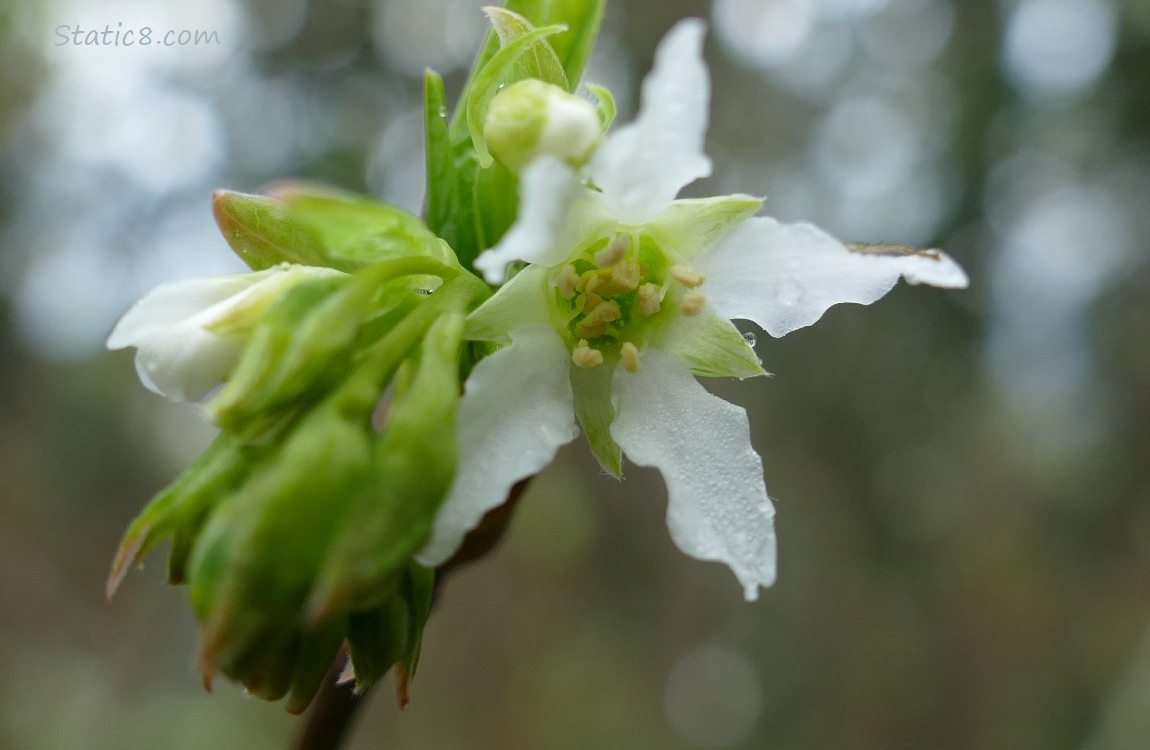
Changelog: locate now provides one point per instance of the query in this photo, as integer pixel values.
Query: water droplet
(442, 110)
(750, 339)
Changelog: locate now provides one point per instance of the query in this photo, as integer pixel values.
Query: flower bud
(529, 119)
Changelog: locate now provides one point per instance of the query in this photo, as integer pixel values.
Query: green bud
(414, 464)
(181, 508)
(530, 118)
(315, 225)
(259, 553)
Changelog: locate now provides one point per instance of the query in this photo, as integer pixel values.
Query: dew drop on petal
(750, 338)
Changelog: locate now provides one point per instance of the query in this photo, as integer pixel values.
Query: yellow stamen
(625, 275)
(584, 356)
(595, 324)
(629, 357)
(687, 276)
(692, 303)
(614, 251)
(591, 300)
(566, 281)
(649, 299)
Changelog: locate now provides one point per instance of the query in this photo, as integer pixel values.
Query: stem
(335, 706)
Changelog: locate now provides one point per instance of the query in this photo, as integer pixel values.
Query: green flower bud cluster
(341, 361)
(295, 530)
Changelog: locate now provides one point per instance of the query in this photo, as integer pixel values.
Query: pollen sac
(611, 295)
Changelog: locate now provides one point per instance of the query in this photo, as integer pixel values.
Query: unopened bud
(530, 118)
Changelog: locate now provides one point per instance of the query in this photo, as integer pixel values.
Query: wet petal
(518, 303)
(555, 214)
(785, 276)
(515, 412)
(643, 165)
(718, 509)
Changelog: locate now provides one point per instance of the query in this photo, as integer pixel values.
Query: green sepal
(540, 60)
(280, 523)
(485, 204)
(418, 591)
(314, 225)
(604, 104)
(689, 226)
(375, 639)
(181, 508)
(493, 75)
(317, 651)
(709, 346)
(304, 341)
(391, 633)
(591, 387)
(414, 464)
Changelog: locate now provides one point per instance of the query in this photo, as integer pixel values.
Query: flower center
(610, 297)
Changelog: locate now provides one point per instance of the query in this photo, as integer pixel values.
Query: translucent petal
(785, 276)
(643, 165)
(518, 303)
(556, 213)
(718, 506)
(688, 227)
(591, 387)
(515, 412)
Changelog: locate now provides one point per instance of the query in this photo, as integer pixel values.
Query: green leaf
(493, 75)
(439, 155)
(540, 60)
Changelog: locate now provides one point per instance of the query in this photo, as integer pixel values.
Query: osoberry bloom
(627, 295)
(189, 333)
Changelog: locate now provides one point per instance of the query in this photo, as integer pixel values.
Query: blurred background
(962, 479)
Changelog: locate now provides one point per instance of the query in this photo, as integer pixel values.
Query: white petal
(556, 213)
(172, 303)
(785, 276)
(515, 412)
(718, 505)
(185, 362)
(643, 165)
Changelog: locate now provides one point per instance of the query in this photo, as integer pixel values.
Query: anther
(687, 276)
(629, 357)
(649, 299)
(595, 324)
(584, 356)
(567, 280)
(692, 303)
(625, 275)
(614, 251)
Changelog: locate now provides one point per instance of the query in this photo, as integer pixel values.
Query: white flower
(190, 333)
(628, 296)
